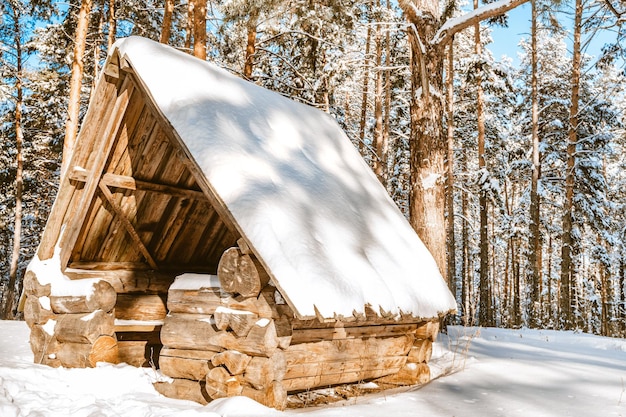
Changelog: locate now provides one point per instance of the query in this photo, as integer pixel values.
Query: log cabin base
(214, 344)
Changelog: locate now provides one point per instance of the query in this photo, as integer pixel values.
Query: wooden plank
(129, 183)
(338, 333)
(142, 307)
(80, 208)
(318, 374)
(347, 349)
(130, 229)
(98, 112)
(125, 280)
(120, 327)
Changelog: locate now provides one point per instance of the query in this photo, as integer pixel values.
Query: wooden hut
(228, 236)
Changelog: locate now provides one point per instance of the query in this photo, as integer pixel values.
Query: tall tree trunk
(97, 43)
(12, 291)
(250, 46)
(366, 82)
(485, 309)
(534, 251)
(379, 139)
(199, 29)
(622, 292)
(388, 88)
(112, 25)
(451, 277)
(427, 145)
(76, 81)
(189, 25)
(166, 29)
(427, 142)
(566, 296)
(466, 287)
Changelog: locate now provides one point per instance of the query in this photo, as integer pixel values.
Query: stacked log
(72, 322)
(246, 341)
(220, 343)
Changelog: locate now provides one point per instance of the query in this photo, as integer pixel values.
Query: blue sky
(506, 40)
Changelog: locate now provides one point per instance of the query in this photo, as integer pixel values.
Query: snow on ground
(482, 372)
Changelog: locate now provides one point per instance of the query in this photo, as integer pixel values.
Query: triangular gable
(295, 188)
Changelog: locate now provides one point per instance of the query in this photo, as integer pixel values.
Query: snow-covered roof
(297, 189)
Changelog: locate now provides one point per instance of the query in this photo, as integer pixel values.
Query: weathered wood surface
(428, 330)
(317, 374)
(351, 332)
(261, 371)
(190, 331)
(33, 287)
(142, 307)
(139, 353)
(125, 280)
(421, 351)
(43, 345)
(234, 361)
(347, 349)
(220, 384)
(241, 273)
(37, 310)
(240, 322)
(203, 301)
(84, 328)
(184, 389)
(409, 374)
(274, 396)
(187, 368)
(86, 355)
(100, 296)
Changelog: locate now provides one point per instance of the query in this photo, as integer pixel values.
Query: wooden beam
(130, 183)
(127, 224)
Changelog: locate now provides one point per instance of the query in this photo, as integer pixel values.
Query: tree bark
(251, 45)
(566, 296)
(427, 38)
(534, 258)
(380, 145)
(112, 25)
(366, 81)
(73, 109)
(485, 309)
(450, 171)
(166, 29)
(199, 28)
(11, 290)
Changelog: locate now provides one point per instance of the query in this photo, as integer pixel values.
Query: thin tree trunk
(166, 29)
(379, 139)
(199, 29)
(250, 46)
(622, 292)
(112, 25)
(485, 308)
(189, 25)
(466, 288)
(73, 110)
(12, 291)
(566, 299)
(96, 50)
(366, 81)
(450, 171)
(387, 103)
(534, 252)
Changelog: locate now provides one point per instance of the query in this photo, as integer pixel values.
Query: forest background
(533, 176)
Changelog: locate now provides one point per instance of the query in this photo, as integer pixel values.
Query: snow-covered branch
(457, 24)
